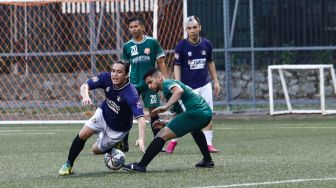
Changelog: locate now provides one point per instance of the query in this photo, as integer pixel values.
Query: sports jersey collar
(192, 43)
(143, 40)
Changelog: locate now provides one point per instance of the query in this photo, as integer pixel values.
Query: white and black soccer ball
(115, 159)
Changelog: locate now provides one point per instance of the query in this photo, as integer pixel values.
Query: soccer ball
(115, 159)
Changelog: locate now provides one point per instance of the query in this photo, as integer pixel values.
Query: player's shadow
(93, 174)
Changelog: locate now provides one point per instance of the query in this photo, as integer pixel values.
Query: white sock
(174, 140)
(208, 136)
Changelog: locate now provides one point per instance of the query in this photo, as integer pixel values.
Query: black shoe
(205, 164)
(125, 147)
(163, 150)
(134, 167)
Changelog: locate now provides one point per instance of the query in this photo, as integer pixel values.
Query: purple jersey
(120, 105)
(194, 59)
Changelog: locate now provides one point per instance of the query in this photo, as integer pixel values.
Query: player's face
(153, 83)
(193, 30)
(136, 29)
(119, 76)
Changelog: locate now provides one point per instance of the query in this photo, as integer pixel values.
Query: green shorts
(190, 121)
(149, 97)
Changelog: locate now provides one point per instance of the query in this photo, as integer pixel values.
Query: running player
(113, 119)
(189, 107)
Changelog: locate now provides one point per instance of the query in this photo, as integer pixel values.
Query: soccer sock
(174, 140)
(76, 147)
(202, 145)
(153, 149)
(155, 131)
(125, 139)
(208, 136)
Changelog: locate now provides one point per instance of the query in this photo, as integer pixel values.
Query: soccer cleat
(171, 147)
(65, 170)
(134, 167)
(212, 149)
(205, 164)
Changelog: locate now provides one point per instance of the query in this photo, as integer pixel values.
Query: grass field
(254, 153)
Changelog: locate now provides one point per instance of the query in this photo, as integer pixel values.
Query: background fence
(48, 50)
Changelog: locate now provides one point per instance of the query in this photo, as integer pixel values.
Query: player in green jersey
(189, 107)
(143, 52)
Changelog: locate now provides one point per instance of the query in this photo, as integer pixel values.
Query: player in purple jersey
(114, 117)
(192, 65)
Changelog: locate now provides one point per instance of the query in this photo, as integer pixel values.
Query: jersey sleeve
(125, 56)
(210, 54)
(168, 85)
(158, 49)
(178, 55)
(97, 81)
(134, 103)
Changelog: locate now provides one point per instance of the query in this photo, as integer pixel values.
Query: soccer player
(189, 107)
(143, 52)
(192, 65)
(113, 119)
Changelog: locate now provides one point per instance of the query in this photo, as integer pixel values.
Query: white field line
(32, 130)
(22, 133)
(269, 183)
(257, 128)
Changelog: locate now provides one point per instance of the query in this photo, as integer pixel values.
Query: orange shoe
(212, 149)
(170, 147)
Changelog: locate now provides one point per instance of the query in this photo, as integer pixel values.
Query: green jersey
(141, 56)
(190, 100)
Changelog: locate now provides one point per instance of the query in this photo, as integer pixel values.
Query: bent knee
(166, 134)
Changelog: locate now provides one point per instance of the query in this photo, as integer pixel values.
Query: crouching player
(189, 107)
(114, 117)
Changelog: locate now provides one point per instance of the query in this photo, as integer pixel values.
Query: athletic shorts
(107, 138)
(206, 92)
(149, 97)
(190, 121)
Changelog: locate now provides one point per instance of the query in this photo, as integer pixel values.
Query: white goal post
(280, 68)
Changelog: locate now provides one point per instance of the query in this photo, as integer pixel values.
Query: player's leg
(153, 149)
(200, 119)
(206, 93)
(76, 147)
(202, 145)
(151, 100)
(91, 127)
(107, 140)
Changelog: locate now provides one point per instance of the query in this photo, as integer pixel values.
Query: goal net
(323, 72)
(49, 48)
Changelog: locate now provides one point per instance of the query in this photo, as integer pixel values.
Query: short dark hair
(151, 72)
(136, 18)
(126, 65)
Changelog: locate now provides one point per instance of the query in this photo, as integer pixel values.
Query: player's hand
(160, 109)
(159, 124)
(86, 101)
(217, 89)
(141, 144)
